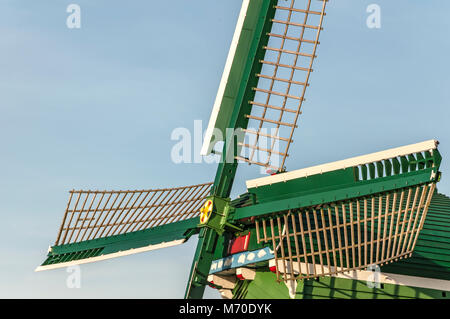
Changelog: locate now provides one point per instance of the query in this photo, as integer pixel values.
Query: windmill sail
(337, 238)
(346, 215)
(100, 225)
(285, 63)
(283, 80)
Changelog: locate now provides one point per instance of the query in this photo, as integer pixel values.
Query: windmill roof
(431, 257)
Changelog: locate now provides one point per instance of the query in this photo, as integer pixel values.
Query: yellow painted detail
(205, 211)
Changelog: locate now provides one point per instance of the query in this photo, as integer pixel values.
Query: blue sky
(94, 108)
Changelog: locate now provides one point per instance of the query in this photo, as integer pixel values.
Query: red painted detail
(239, 244)
(240, 277)
(212, 285)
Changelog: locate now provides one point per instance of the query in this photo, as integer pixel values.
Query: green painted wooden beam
(114, 246)
(326, 188)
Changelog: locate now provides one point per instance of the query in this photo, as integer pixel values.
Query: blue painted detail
(241, 259)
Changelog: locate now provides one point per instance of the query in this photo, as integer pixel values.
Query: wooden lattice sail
(424, 275)
(99, 225)
(282, 69)
(283, 80)
(339, 237)
(371, 217)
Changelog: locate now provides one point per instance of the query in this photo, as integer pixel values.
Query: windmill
(318, 222)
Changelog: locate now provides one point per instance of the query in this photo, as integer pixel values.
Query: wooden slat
(380, 213)
(270, 92)
(297, 246)
(288, 241)
(333, 241)
(416, 194)
(401, 236)
(365, 231)
(264, 230)
(302, 235)
(385, 225)
(341, 257)
(307, 26)
(372, 230)
(344, 220)
(358, 225)
(262, 149)
(258, 237)
(263, 76)
(311, 243)
(287, 66)
(273, 107)
(352, 233)
(325, 236)
(274, 248)
(319, 242)
(281, 243)
(297, 10)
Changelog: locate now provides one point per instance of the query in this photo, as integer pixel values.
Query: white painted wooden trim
(113, 255)
(246, 273)
(226, 293)
(223, 83)
(364, 275)
(226, 282)
(351, 162)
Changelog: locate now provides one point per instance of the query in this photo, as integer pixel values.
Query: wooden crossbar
(298, 10)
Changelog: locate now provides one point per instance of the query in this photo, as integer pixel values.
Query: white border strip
(113, 255)
(351, 162)
(384, 278)
(223, 83)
